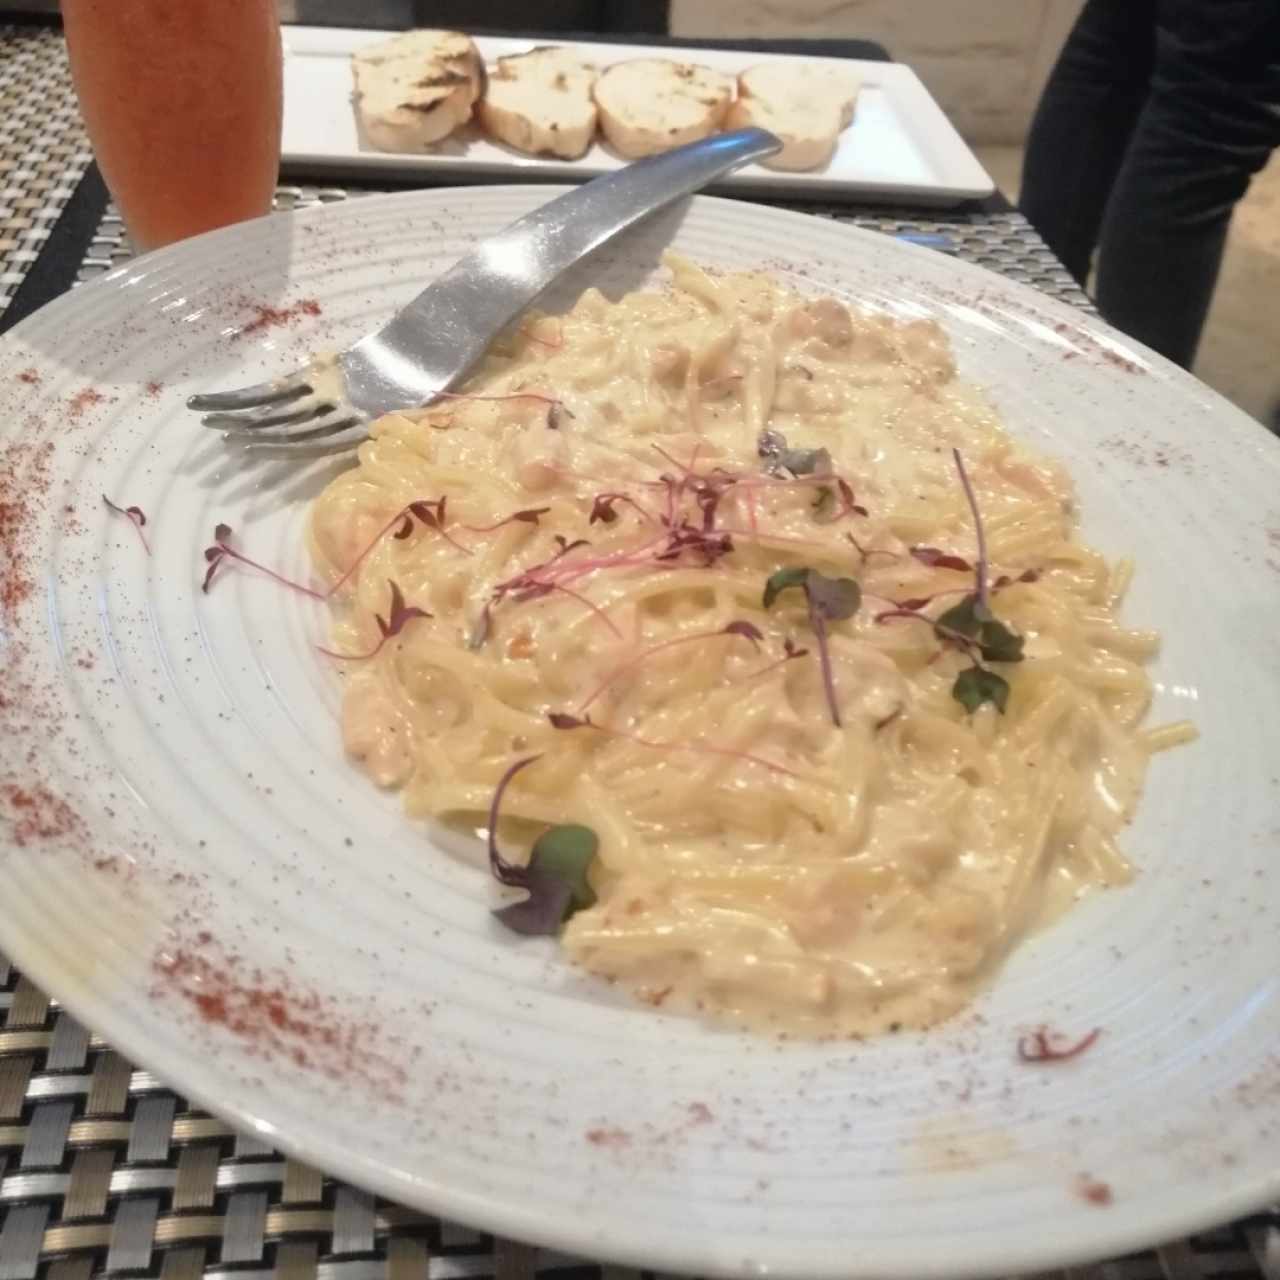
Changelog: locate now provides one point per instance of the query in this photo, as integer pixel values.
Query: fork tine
(247, 423)
(302, 446)
(284, 439)
(264, 393)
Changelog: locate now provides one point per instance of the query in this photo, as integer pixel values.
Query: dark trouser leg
(1211, 121)
(1083, 124)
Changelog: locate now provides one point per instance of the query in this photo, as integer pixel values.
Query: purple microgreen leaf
(215, 554)
(405, 529)
(976, 685)
(135, 517)
(790, 648)
(563, 720)
(835, 598)
(556, 878)
(825, 508)
(912, 603)
(602, 509)
(748, 630)
(541, 914)
(399, 614)
(398, 617)
(425, 512)
(566, 546)
(530, 515)
(938, 559)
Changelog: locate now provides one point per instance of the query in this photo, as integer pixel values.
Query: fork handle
(464, 309)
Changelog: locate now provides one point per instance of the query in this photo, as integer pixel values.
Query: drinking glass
(183, 101)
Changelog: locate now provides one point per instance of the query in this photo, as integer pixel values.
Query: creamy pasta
(822, 852)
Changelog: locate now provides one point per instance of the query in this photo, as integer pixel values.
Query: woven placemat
(43, 150)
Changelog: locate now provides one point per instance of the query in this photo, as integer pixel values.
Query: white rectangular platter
(900, 145)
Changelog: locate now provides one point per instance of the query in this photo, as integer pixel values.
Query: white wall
(984, 60)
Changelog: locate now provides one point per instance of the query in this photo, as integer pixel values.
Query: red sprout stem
(644, 657)
(819, 625)
(230, 551)
(980, 570)
(359, 560)
(452, 541)
(887, 614)
(134, 516)
(867, 552)
(499, 524)
(687, 468)
(354, 657)
(1039, 1046)
(631, 502)
(503, 871)
(590, 604)
(956, 638)
(771, 666)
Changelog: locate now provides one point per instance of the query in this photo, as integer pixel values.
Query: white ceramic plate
(899, 145)
(191, 866)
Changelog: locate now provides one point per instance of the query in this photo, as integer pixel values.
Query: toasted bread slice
(416, 88)
(651, 104)
(806, 104)
(540, 102)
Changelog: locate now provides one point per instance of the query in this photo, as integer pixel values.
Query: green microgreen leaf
(783, 580)
(566, 852)
(976, 685)
(998, 643)
(965, 618)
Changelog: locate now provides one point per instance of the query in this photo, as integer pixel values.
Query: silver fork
(431, 343)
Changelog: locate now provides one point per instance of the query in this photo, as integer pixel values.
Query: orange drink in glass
(182, 101)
